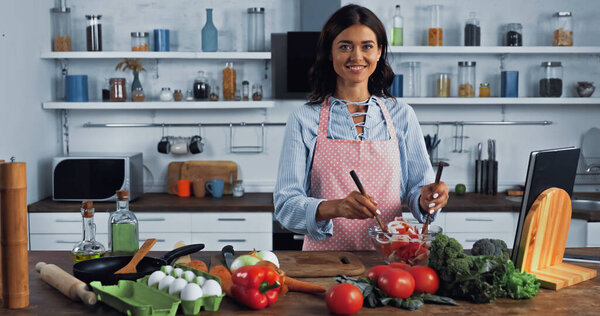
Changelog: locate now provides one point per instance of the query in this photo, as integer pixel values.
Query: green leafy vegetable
(520, 285)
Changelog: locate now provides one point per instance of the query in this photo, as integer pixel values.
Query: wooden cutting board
(211, 169)
(173, 175)
(313, 264)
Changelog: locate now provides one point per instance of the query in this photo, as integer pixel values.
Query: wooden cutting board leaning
(204, 169)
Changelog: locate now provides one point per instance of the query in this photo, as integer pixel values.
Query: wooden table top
(580, 299)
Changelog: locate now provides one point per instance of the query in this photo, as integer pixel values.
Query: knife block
(544, 239)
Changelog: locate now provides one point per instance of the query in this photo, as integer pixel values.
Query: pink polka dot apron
(377, 164)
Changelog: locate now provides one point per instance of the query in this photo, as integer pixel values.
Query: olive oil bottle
(123, 232)
(89, 247)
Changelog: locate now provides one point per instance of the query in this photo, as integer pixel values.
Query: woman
(351, 122)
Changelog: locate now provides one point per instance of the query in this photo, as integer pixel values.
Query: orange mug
(182, 188)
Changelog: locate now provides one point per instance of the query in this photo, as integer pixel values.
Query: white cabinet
(593, 234)
(577, 236)
(468, 227)
(244, 231)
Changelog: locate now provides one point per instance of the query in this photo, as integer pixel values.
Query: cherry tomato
(400, 265)
(397, 283)
(426, 279)
(376, 271)
(344, 299)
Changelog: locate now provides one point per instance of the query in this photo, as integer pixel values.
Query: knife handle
(227, 249)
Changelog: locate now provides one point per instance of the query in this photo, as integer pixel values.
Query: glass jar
(189, 95)
(228, 82)
(123, 231)
(472, 31)
(138, 95)
(443, 85)
(93, 33)
(256, 30)
(412, 80)
(435, 36)
(166, 94)
(563, 29)
(245, 90)
(257, 93)
(117, 90)
(140, 41)
(89, 247)
(551, 79)
(484, 90)
(466, 78)
(214, 95)
(238, 188)
(106, 90)
(177, 95)
(514, 34)
(201, 87)
(61, 27)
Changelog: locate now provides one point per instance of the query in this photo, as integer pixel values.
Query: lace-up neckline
(361, 135)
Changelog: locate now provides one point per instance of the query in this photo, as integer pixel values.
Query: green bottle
(397, 29)
(123, 232)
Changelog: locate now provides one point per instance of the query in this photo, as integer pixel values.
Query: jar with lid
(166, 94)
(138, 95)
(201, 87)
(435, 36)
(412, 80)
(484, 90)
(256, 29)
(214, 94)
(443, 85)
(551, 79)
(257, 93)
(466, 78)
(238, 188)
(514, 34)
(177, 95)
(563, 29)
(189, 95)
(472, 31)
(229, 82)
(117, 90)
(140, 41)
(245, 90)
(61, 27)
(93, 33)
(89, 247)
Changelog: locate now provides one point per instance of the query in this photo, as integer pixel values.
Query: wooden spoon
(438, 176)
(139, 255)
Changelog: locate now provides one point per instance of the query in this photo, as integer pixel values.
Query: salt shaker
(238, 188)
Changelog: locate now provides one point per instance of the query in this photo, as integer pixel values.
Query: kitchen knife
(478, 169)
(228, 255)
(495, 183)
(490, 170)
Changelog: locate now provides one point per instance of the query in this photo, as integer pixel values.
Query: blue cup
(509, 84)
(397, 86)
(161, 40)
(215, 187)
(76, 88)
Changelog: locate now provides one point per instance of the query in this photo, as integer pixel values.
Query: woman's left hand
(434, 197)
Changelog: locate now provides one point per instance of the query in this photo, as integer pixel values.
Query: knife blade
(228, 255)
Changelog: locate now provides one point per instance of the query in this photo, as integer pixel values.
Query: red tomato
(376, 271)
(344, 299)
(397, 283)
(400, 265)
(426, 279)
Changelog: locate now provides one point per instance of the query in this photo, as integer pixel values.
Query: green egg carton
(209, 303)
(135, 299)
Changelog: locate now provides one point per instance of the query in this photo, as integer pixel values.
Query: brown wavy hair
(323, 77)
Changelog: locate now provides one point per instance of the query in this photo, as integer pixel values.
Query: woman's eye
(345, 47)
(367, 46)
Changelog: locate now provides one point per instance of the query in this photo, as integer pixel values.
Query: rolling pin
(67, 284)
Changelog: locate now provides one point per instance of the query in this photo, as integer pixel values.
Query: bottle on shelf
(229, 82)
(435, 32)
(209, 33)
(397, 28)
(123, 232)
(472, 31)
(89, 247)
(61, 27)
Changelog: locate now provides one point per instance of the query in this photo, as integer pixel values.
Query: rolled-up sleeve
(294, 208)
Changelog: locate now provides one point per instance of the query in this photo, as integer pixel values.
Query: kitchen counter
(580, 299)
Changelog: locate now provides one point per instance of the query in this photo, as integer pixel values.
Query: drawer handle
(231, 240)
(479, 220)
(158, 240)
(66, 242)
(298, 237)
(231, 219)
(67, 220)
(158, 219)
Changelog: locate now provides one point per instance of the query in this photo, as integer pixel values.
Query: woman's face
(355, 53)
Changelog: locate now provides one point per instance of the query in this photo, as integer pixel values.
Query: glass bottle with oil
(89, 247)
(123, 232)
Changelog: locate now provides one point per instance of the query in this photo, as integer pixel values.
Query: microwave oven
(96, 177)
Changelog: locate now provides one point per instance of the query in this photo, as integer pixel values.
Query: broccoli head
(490, 247)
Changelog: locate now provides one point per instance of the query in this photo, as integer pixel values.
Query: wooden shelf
(476, 100)
(495, 50)
(158, 55)
(159, 105)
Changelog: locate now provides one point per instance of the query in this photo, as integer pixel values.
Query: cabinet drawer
(53, 223)
(468, 239)
(239, 241)
(60, 241)
(166, 241)
(232, 222)
(481, 222)
(164, 222)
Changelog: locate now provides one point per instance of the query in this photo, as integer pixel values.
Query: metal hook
(163, 130)
(12, 159)
(200, 130)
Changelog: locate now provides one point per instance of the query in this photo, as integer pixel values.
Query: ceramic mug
(164, 146)
(182, 188)
(196, 145)
(180, 147)
(215, 187)
(198, 187)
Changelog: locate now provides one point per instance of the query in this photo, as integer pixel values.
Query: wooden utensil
(211, 169)
(438, 176)
(139, 255)
(67, 284)
(363, 192)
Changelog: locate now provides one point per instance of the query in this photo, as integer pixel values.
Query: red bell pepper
(256, 286)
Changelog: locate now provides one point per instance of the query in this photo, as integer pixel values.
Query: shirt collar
(338, 102)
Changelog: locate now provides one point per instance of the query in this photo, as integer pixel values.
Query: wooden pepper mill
(13, 217)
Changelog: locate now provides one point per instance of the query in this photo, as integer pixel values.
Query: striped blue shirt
(295, 208)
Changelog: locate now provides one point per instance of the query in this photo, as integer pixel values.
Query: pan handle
(181, 251)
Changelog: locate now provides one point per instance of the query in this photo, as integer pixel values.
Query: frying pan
(103, 269)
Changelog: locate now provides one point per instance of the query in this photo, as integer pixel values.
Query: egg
(165, 282)
(166, 269)
(191, 292)
(155, 277)
(211, 287)
(199, 280)
(188, 275)
(177, 272)
(177, 286)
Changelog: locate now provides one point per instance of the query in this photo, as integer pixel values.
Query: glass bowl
(409, 248)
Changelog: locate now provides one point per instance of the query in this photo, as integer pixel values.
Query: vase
(136, 81)
(209, 34)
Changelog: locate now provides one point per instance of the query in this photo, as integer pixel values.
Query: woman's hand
(434, 197)
(354, 206)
